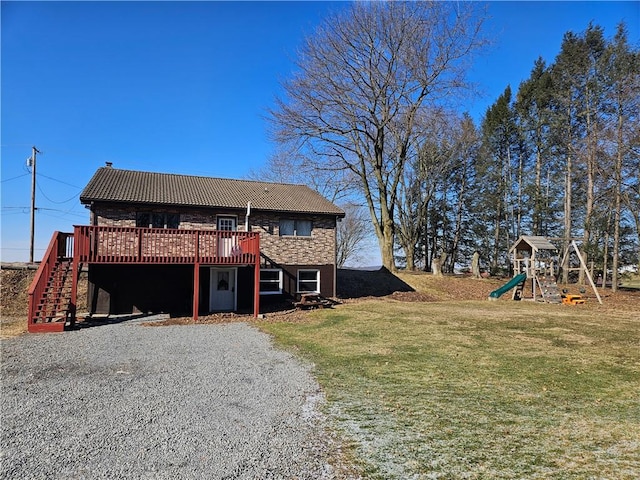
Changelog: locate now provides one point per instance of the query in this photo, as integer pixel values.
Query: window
(227, 223)
(309, 281)
(173, 220)
(143, 220)
(295, 228)
(270, 281)
(157, 220)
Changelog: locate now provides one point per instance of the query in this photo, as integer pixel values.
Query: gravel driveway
(177, 402)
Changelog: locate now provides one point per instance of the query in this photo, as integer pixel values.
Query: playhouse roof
(532, 243)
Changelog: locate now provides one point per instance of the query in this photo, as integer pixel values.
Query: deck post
(196, 277)
(196, 290)
(256, 276)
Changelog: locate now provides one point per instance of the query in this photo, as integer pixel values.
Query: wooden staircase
(55, 304)
(53, 290)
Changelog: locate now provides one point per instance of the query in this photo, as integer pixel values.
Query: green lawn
(478, 389)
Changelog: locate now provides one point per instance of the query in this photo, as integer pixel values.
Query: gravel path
(177, 402)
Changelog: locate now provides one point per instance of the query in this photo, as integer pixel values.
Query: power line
(63, 215)
(54, 201)
(13, 178)
(59, 181)
(26, 210)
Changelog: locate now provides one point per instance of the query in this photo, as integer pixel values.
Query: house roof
(133, 187)
(532, 243)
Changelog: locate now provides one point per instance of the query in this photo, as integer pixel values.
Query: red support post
(196, 278)
(256, 286)
(196, 290)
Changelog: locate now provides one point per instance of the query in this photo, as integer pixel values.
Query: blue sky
(183, 87)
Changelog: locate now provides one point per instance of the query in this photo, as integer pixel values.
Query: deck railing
(133, 245)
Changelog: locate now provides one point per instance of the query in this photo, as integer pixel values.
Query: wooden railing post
(197, 247)
(139, 258)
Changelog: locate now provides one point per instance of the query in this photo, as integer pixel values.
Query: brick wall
(122, 216)
(318, 249)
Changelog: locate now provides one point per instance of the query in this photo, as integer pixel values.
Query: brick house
(162, 242)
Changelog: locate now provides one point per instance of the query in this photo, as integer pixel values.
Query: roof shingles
(128, 186)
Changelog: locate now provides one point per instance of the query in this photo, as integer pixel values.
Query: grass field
(478, 389)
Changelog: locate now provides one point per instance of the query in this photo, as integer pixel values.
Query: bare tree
(352, 233)
(423, 175)
(289, 166)
(364, 79)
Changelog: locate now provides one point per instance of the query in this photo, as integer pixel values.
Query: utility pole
(34, 152)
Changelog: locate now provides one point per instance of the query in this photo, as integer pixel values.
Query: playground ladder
(517, 292)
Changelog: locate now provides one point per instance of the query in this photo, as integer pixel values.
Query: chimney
(109, 164)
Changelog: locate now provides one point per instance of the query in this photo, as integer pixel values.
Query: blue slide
(509, 285)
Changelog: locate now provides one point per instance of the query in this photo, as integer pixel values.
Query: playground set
(534, 262)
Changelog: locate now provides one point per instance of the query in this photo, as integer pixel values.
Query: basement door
(222, 297)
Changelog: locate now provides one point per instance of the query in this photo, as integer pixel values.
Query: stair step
(57, 293)
(52, 307)
(51, 317)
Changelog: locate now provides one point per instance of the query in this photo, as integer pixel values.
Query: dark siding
(121, 289)
(245, 289)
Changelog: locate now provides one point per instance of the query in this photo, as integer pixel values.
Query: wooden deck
(51, 311)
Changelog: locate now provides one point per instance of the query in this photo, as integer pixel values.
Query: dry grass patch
(12, 326)
(479, 389)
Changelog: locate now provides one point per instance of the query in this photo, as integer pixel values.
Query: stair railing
(60, 246)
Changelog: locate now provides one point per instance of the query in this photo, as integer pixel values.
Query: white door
(223, 290)
(226, 244)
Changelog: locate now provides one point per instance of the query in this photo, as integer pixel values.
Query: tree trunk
(410, 251)
(605, 255)
(617, 213)
(496, 244)
(567, 220)
(591, 166)
(437, 263)
(475, 265)
(537, 207)
(386, 240)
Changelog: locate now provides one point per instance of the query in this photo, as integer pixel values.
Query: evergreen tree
(500, 171)
(533, 117)
(622, 114)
